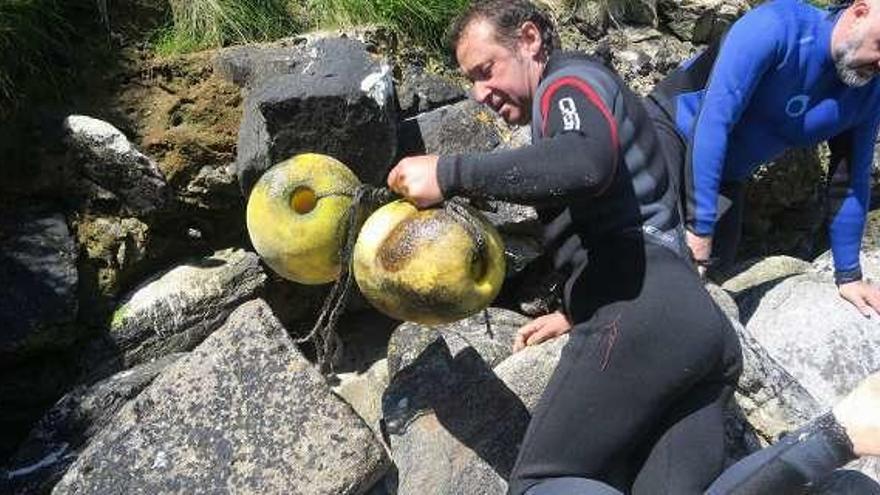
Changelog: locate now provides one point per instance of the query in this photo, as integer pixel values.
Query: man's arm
(747, 52)
(576, 159)
(849, 193)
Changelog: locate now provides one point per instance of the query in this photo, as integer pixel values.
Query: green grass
(201, 24)
(420, 21)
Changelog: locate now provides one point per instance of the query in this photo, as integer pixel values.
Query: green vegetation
(200, 24)
(35, 41)
(422, 21)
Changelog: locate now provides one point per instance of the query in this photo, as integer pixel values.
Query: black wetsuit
(637, 397)
(803, 459)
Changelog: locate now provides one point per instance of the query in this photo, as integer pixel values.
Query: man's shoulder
(779, 13)
(580, 65)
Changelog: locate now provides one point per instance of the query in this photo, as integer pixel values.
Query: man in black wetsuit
(636, 400)
(804, 459)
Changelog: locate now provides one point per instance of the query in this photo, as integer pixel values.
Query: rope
(365, 200)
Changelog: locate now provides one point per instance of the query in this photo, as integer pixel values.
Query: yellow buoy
(425, 266)
(297, 216)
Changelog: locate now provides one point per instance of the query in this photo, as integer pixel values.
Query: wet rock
(339, 103)
(179, 308)
(421, 91)
(245, 411)
(490, 334)
(465, 127)
(59, 437)
(38, 295)
(107, 158)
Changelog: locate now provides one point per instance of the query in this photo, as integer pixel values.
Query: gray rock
(700, 21)
(465, 127)
(179, 308)
(420, 91)
(754, 278)
(110, 160)
(491, 338)
(38, 296)
(339, 102)
(820, 338)
(58, 438)
(244, 412)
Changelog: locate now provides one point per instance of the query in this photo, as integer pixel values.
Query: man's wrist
(847, 276)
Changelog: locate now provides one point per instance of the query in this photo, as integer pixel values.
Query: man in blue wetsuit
(786, 75)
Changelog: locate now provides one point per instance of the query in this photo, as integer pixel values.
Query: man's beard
(843, 58)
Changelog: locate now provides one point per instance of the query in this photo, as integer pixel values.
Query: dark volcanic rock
(339, 103)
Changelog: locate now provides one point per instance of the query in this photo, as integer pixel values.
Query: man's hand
(415, 178)
(541, 329)
(701, 248)
(859, 414)
(862, 295)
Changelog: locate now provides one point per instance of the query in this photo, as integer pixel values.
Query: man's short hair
(506, 16)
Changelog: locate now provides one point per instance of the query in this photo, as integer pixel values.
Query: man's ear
(530, 41)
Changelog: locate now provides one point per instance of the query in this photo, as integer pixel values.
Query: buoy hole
(303, 200)
(479, 268)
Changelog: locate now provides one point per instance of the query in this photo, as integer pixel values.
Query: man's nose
(481, 92)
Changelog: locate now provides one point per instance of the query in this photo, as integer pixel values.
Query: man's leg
(623, 370)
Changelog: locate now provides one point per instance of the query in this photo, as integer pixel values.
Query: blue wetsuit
(773, 85)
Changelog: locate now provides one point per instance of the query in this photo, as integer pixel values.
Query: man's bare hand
(862, 295)
(415, 178)
(701, 248)
(541, 329)
(859, 414)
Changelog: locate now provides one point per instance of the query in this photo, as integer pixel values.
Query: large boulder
(243, 412)
(453, 423)
(179, 308)
(107, 158)
(56, 440)
(38, 296)
(818, 338)
(340, 103)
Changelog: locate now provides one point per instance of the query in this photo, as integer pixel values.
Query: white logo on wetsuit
(797, 105)
(571, 121)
